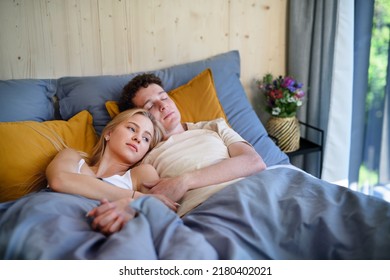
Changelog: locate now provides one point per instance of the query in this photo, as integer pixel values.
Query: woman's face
(130, 140)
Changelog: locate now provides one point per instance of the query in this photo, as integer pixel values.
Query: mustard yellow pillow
(112, 108)
(27, 147)
(197, 100)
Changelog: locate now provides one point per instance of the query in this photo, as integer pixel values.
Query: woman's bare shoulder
(143, 173)
(143, 167)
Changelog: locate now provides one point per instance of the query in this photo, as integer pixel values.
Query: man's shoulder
(210, 124)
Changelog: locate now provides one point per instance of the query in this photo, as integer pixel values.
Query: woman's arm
(62, 176)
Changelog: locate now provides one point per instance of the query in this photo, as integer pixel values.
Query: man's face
(160, 105)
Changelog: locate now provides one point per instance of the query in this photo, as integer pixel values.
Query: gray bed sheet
(279, 213)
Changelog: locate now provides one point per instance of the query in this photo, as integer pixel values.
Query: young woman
(106, 174)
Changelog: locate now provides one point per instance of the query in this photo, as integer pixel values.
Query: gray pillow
(27, 100)
(90, 93)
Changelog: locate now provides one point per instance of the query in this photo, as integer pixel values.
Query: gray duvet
(279, 213)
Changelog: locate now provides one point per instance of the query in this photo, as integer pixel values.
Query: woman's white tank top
(123, 181)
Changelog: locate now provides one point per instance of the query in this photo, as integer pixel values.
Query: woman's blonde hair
(99, 148)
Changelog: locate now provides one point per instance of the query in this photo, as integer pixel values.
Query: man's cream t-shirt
(203, 144)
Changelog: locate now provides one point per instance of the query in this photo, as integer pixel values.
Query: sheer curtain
(384, 166)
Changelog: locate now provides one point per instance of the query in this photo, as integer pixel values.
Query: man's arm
(243, 161)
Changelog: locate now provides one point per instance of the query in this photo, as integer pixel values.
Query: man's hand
(173, 188)
(167, 201)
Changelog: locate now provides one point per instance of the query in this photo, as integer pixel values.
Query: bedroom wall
(54, 38)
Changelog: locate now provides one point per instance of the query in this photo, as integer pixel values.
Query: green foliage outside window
(376, 79)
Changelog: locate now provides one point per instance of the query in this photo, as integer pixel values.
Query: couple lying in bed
(191, 161)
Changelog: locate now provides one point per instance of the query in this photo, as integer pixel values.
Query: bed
(280, 213)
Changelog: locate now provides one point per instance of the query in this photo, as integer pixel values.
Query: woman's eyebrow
(138, 126)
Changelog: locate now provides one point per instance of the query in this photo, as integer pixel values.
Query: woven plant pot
(286, 131)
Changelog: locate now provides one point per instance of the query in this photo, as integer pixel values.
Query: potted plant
(283, 97)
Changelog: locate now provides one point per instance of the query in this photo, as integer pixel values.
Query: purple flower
(288, 82)
(283, 95)
(300, 93)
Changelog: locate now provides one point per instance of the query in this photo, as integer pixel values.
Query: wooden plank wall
(54, 38)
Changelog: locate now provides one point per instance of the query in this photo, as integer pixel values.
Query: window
(374, 170)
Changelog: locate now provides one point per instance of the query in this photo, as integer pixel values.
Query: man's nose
(161, 105)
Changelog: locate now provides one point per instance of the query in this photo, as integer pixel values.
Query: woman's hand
(110, 217)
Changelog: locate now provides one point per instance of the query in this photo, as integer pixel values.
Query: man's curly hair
(131, 88)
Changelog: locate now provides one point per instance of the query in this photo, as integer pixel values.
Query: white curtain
(336, 154)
